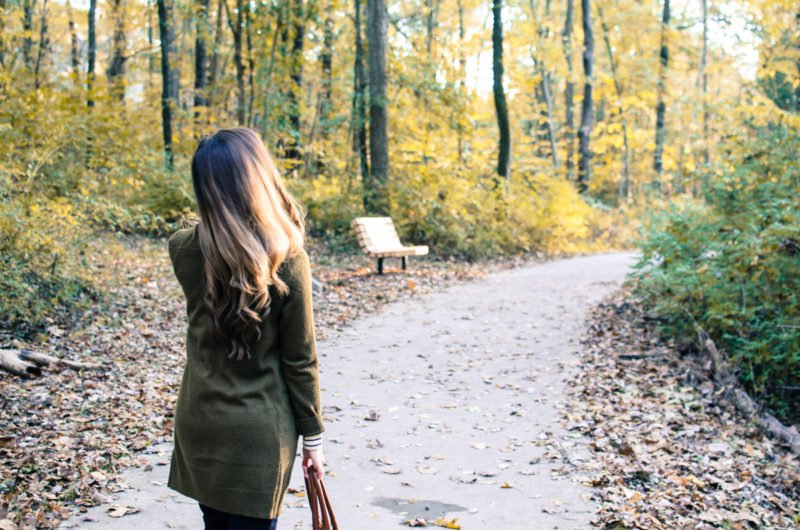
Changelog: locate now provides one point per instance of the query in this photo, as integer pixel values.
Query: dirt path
(442, 406)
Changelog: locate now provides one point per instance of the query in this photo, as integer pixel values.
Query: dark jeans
(217, 520)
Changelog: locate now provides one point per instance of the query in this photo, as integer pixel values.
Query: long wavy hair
(249, 224)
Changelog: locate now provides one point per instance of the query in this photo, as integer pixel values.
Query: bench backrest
(376, 233)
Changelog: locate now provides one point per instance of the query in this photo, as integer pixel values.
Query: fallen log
(725, 379)
(10, 362)
(46, 360)
(27, 363)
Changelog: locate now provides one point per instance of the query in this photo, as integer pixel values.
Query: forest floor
(668, 450)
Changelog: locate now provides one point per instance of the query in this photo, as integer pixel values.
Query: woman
(251, 382)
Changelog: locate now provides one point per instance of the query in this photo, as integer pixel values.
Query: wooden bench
(378, 239)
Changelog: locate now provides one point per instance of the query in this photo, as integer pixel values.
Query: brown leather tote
(322, 517)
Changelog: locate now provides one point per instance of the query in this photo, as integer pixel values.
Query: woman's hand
(315, 459)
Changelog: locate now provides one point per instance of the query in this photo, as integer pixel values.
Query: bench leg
(380, 265)
(405, 262)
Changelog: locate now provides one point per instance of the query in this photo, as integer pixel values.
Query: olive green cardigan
(237, 422)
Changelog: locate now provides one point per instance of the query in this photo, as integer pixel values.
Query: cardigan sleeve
(298, 350)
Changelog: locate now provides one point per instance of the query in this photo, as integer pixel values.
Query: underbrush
(731, 265)
(43, 279)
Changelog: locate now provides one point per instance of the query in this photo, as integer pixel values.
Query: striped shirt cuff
(312, 443)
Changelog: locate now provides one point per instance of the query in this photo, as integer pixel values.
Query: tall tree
(703, 81)
(151, 56)
(44, 43)
(116, 68)
(462, 80)
(167, 103)
(500, 105)
(661, 107)
(569, 90)
(2, 33)
(326, 64)
(624, 189)
(237, 27)
(585, 131)
(91, 53)
(215, 68)
(201, 58)
(359, 96)
(267, 82)
(27, 30)
(375, 198)
(250, 15)
(296, 73)
(74, 53)
(543, 91)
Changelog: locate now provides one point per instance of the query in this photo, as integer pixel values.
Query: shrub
(733, 266)
(40, 274)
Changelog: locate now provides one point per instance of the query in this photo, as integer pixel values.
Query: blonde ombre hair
(249, 224)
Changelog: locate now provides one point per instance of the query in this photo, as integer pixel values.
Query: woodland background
(483, 128)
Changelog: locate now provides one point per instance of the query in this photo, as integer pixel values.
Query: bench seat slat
(378, 238)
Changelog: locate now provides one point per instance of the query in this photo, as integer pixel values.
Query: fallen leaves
(120, 510)
(441, 522)
(667, 452)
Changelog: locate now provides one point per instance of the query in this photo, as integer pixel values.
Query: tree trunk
(167, 103)
(238, 60)
(501, 108)
(375, 193)
(43, 44)
(90, 64)
(151, 57)
(326, 63)
(430, 24)
(92, 54)
(74, 54)
(215, 66)
(360, 98)
(661, 108)
(569, 91)
(116, 69)
(548, 101)
(27, 29)
(2, 33)
(176, 51)
(201, 60)
(703, 78)
(585, 131)
(180, 27)
(625, 182)
(296, 74)
(251, 65)
(462, 81)
(214, 70)
(544, 92)
(268, 81)
(428, 74)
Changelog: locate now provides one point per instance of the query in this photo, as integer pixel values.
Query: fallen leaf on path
(447, 523)
(120, 510)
